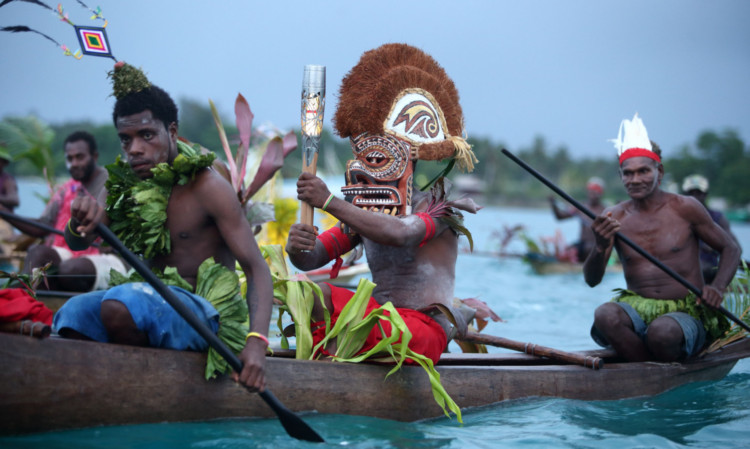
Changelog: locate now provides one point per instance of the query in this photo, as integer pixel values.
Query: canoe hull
(60, 384)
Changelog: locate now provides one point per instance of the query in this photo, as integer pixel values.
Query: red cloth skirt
(16, 304)
(428, 337)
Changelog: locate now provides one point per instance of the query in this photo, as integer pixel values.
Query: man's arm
(724, 223)
(220, 201)
(47, 218)
(729, 253)
(560, 214)
(305, 251)
(604, 227)
(10, 198)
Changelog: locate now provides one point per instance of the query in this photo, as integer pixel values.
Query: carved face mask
(380, 178)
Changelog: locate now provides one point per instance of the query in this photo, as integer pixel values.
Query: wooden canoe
(55, 384)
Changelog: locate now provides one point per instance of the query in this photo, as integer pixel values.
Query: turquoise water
(555, 311)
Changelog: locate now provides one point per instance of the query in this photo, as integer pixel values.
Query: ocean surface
(552, 310)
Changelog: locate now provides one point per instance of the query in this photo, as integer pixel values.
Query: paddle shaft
(623, 238)
(30, 222)
(38, 224)
(294, 425)
(535, 350)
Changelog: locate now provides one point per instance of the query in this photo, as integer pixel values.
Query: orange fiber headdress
(400, 90)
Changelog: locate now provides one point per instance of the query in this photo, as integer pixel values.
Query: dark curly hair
(82, 135)
(153, 98)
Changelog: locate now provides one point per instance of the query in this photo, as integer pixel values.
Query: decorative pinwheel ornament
(93, 40)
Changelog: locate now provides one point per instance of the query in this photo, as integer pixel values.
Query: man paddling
(657, 318)
(586, 240)
(396, 105)
(166, 203)
(76, 271)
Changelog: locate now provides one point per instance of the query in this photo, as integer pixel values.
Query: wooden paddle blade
(293, 424)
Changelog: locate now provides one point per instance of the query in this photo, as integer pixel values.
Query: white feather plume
(632, 134)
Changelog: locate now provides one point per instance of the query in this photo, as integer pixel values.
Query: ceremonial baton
(623, 238)
(313, 106)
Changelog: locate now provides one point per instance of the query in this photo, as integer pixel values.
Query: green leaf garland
(137, 208)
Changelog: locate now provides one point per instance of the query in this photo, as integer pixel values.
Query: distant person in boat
(396, 105)
(8, 187)
(697, 187)
(8, 201)
(165, 202)
(76, 271)
(657, 318)
(586, 240)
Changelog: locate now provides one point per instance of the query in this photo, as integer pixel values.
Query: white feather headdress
(632, 140)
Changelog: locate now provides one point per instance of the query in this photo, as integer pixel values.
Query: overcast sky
(566, 70)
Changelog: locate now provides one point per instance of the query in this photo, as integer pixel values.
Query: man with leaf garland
(76, 271)
(657, 318)
(397, 105)
(166, 203)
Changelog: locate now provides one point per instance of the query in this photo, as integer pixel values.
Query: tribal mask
(397, 105)
(380, 178)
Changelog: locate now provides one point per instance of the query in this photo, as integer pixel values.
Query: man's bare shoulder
(618, 209)
(209, 186)
(689, 208)
(209, 178)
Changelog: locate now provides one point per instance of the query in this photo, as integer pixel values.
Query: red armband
(429, 223)
(336, 244)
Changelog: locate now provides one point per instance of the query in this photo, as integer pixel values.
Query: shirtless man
(637, 323)
(203, 220)
(586, 240)
(697, 187)
(8, 201)
(76, 271)
(411, 249)
(8, 187)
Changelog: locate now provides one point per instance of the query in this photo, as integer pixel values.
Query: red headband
(636, 152)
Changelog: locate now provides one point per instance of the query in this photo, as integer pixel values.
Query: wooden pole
(535, 350)
(306, 210)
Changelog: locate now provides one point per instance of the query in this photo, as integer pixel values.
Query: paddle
(622, 238)
(30, 222)
(292, 423)
(535, 350)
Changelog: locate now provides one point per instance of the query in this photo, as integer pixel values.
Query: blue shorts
(692, 330)
(151, 313)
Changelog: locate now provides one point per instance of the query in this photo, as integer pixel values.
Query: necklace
(137, 208)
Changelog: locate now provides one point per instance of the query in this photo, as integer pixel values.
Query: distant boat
(740, 215)
(469, 185)
(346, 274)
(545, 264)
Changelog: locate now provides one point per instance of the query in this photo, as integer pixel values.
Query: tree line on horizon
(721, 156)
